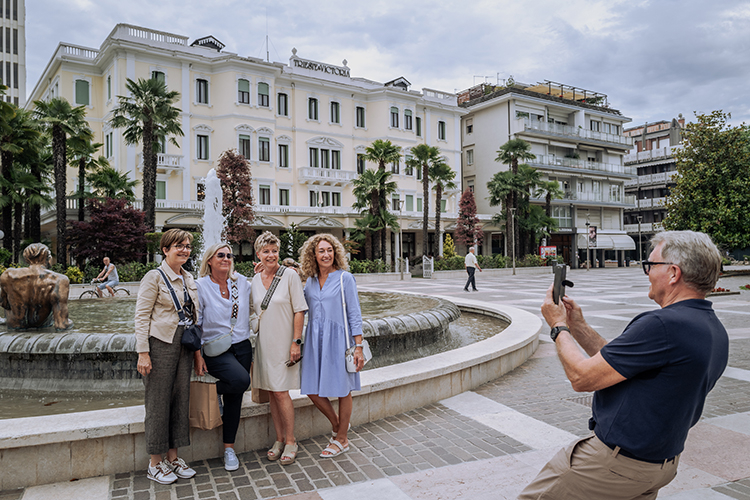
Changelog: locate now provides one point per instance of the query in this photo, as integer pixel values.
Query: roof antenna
(268, 57)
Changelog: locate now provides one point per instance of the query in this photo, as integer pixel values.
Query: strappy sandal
(275, 452)
(334, 452)
(289, 455)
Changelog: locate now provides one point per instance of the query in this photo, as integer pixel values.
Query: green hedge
(369, 266)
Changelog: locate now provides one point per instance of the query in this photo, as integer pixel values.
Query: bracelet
(357, 345)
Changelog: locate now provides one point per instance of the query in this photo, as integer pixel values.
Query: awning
(608, 242)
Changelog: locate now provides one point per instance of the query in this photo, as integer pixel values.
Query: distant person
(471, 264)
(650, 383)
(109, 277)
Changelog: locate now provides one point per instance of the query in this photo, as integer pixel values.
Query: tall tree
(42, 168)
(712, 188)
(511, 153)
(63, 121)
(147, 117)
(422, 157)
(441, 175)
(237, 196)
(382, 152)
(551, 191)
(468, 230)
(81, 153)
(107, 182)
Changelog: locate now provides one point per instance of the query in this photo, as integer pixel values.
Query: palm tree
(148, 116)
(107, 182)
(81, 154)
(370, 188)
(511, 153)
(382, 152)
(62, 120)
(41, 168)
(551, 191)
(442, 175)
(422, 157)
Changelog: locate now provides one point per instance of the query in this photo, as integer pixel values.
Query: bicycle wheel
(89, 294)
(122, 292)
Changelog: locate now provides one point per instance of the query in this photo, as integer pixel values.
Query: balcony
(325, 176)
(652, 154)
(631, 183)
(646, 227)
(286, 210)
(165, 163)
(546, 161)
(577, 134)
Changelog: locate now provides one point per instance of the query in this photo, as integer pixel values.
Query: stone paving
(487, 443)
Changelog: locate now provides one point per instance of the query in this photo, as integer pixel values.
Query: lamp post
(640, 247)
(588, 241)
(513, 232)
(401, 238)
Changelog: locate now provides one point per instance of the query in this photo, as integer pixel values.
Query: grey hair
(266, 238)
(696, 255)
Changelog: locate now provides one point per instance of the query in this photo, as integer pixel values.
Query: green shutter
(243, 86)
(161, 190)
(82, 92)
(409, 203)
(262, 89)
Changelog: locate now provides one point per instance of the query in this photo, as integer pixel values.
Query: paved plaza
(486, 443)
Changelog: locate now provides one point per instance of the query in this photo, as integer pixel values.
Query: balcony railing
(325, 176)
(577, 132)
(556, 161)
(167, 163)
(646, 227)
(77, 51)
(652, 154)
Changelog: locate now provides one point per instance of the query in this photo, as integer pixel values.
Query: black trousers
(471, 281)
(233, 371)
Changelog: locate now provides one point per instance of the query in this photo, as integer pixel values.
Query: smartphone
(558, 290)
(292, 363)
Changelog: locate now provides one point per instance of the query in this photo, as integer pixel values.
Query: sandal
(275, 452)
(290, 454)
(334, 452)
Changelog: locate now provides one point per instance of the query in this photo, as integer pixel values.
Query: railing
(631, 182)
(151, 35)
(283, 210)
(168, 162)
(556, 161)
(427, 266)
(315, 175)
(580, 132)
(436, 94)
(173, 205)
(652, 154)
(78, 51)
(629, 199)
(646, 227)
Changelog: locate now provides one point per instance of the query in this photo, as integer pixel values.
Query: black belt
(626, 453)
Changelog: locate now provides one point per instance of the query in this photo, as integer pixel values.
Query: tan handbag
(204, 406)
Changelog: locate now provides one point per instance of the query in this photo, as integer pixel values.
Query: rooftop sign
(318, 66)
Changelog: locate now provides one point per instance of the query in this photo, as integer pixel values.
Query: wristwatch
(556, 331)
(297, 341)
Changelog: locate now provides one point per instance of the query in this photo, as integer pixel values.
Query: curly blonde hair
(309, 264)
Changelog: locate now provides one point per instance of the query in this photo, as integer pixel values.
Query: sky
(655, 59)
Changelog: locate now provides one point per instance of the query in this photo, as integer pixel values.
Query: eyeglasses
(222, 255)
(647, 265)
(180, 246)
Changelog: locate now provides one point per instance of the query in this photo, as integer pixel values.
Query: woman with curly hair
(324, 372)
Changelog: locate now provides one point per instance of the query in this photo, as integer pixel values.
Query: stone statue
(34, 296)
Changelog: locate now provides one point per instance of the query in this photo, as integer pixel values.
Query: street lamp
(640, 244)
(401, 238)
(588, 241)
(513, 232)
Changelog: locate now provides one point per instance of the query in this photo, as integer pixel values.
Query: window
(15, 10)
(109, 88)
(469, 126)
(159, 76)
(283, 104)
(409, 203)
(325, 199)
(419, 127)
(408, 169)
(7, 40)
(263, 94)
(162, 142)
(407, 119)
(325, 158)
(312, 108)
(361, 164)
(243, 91)
(15, 75)
(443, 205)
(395, 203)
(314, 158)
(360, 117)
(394, 167)
(15, 41)
(470, 157)
(161, 190)
(595, 126)
(284, 155)
(335, 112)
(336, 160)
(284, 197)
(336, 199)
(200, 191)
(109, 145)
(562, 216)
(313, 199)
(202, 145)
(244, 146)
(82, 91)
(394, 117)
(201, 91)
(419, 172)
(264, 149)
(264, 195)
(441, 130)
(419, 204)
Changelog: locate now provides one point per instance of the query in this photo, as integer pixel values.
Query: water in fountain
(214, 222)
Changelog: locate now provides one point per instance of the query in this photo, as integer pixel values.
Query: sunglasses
(646, 264)
(222, 255)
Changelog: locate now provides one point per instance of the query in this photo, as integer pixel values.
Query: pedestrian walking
(471, 264)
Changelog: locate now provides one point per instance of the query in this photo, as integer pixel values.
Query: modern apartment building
(578, 141)
(13, 50)
(652, 157)
(304, 126)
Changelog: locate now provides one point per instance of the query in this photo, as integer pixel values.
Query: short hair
(266, 238)
(36, 253)
(205, 269)
(694, 253)
(174, 236)
(309, 263)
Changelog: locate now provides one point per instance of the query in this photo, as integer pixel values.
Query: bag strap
(176, 301)
(269, 293)
(235, 303)
(343, 303)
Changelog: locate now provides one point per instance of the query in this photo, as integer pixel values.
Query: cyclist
(109, 277)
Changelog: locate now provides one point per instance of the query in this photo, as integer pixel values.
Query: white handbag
(351, 366)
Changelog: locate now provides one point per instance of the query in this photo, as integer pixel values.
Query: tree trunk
(7, 217)
(368, 245)
(548, 204)
(375, 207)
(17, 230)
(81, 186)
(426, 207)
(26, 218)
(438, 208)
(58, 153)
(34, 218)
(149, 175)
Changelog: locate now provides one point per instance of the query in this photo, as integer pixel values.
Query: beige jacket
(155, 315)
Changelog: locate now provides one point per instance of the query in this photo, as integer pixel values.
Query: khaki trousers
(589, 469)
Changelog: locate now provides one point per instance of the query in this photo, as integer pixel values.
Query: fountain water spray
(214, 222)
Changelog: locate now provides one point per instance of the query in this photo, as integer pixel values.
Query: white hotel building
(304, 126)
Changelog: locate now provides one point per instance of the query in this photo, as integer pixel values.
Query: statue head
(36, 254)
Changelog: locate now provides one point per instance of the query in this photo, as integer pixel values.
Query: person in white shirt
(471, 264)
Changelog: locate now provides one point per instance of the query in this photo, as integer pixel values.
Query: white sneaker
(230, 460)
(181, 469)
(161, 473)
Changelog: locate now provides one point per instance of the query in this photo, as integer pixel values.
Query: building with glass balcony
(652, 157)
(13, 50)
(578, 141)
(304, 126)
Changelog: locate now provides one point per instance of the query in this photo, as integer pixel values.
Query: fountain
(213, 220)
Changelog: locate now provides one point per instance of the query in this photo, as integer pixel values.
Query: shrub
(5, 256)
(531, 260)
(369, 266)
(245, 268)
(74, 274)
(134, 271)
(450, 263)
(449, 248)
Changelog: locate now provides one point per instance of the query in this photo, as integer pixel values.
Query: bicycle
(93, 294)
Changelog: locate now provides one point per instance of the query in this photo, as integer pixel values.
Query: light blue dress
(323, 367)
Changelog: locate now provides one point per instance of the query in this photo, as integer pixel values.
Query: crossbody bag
(351, 366)
(191, 336)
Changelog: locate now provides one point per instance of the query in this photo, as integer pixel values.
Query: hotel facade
(304, 126)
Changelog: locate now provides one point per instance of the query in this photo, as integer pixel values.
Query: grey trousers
(167, 398)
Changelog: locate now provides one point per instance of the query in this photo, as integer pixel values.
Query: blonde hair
(209, 254)
(266, 238)
(309, 263)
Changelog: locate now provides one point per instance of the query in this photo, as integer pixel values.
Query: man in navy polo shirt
(650, 383)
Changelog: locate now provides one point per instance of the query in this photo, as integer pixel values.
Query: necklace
(224, 293)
